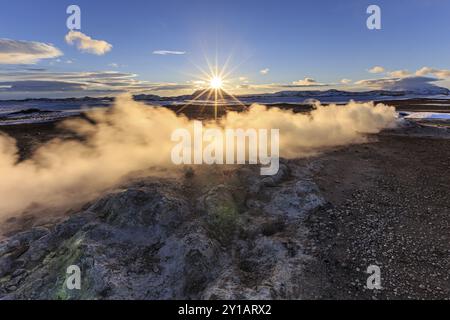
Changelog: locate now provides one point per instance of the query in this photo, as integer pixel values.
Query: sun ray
(238, 101)
(222, 73)
(192, 101)
(207, 99)
(215, 105)
(213, 84)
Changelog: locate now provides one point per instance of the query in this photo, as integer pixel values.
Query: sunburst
(216, 81)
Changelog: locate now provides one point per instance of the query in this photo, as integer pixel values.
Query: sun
(216, 82)
(213, 84)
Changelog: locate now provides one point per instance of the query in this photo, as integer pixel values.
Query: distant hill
(209, 94)
(72, 99)
(333, 92)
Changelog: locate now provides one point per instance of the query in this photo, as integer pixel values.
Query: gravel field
(308, 233)
(388, 205)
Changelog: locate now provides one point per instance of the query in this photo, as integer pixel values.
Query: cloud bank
(403, 80)
(26, 52)
(53, 84)
(400, 84)
(439, 73)
(424, 71)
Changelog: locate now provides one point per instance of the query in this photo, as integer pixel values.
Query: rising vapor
(132, 137)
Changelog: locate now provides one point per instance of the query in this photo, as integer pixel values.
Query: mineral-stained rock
(155, 238)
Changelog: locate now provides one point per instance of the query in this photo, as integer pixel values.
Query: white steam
(131, 136)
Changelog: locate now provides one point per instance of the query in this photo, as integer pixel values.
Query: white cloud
(440, 73)
(376, 69)
(34, 83)
(307, 82)
(166, 52)
(26, 52)
(85, 43)
(113, 65)
(264, 71)
(345, 81)
(399, 73)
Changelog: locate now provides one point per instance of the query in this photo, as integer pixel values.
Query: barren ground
(387, 204)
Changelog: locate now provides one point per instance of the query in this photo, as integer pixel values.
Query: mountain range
(304, 94)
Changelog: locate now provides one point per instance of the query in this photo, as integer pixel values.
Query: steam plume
(131, 136)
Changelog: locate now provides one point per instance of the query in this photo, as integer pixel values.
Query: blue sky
(301, 44)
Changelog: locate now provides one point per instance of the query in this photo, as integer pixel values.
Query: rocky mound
(224, 233)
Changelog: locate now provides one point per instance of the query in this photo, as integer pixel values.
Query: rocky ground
(388, 205)
(227, 234)
(310, 232)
